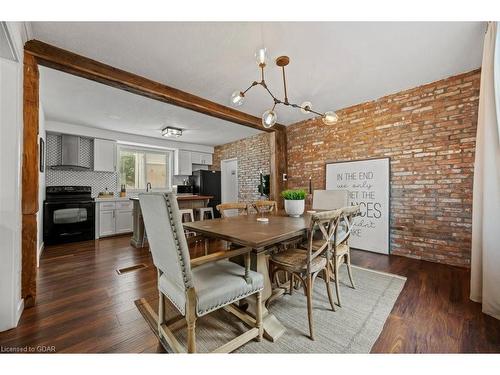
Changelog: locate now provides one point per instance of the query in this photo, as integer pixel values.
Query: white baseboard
(19, 311)
(42, 247)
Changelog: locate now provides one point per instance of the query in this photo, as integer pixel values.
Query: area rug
(353, 328)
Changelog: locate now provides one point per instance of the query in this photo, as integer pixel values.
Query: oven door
(68, 222)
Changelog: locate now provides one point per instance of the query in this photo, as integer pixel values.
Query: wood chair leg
(336, 266)
(292, 278)
(258, 317)
(326, 276)
(309, 306)
(191, 331)
(191, 320)
(349, 270)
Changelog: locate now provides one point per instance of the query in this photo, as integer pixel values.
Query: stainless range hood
(70, 154)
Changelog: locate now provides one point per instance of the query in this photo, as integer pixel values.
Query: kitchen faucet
(148, 187)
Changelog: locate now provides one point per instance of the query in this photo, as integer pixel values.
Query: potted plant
(294, 202)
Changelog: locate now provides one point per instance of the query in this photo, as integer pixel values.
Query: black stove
(68, 214)
(69, 193)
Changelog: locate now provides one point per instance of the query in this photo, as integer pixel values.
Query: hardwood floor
(84, 305)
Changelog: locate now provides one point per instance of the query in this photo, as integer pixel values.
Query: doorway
(229, 182)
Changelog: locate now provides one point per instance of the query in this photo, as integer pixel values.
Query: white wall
(10, 184)
(41, 184)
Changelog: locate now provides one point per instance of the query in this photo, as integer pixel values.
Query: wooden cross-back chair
(341, 251)
(307, 265)
(196, 287)
(265, 206)
(240, 206)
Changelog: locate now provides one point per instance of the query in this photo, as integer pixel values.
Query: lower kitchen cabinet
(123, 221)
(106, 223)
(113, 218)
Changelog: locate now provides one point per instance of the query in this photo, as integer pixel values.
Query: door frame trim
(237, 175)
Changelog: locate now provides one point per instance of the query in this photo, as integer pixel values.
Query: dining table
(262, 236)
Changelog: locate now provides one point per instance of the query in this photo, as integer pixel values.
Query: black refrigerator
(208, 183)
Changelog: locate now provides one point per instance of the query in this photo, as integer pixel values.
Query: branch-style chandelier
(270, 117)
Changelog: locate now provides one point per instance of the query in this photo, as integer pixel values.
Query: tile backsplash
(99, 181)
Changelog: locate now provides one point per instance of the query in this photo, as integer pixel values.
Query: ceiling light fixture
(270, 117)
(171, 132)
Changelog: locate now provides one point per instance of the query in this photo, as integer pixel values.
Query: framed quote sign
(367, 182)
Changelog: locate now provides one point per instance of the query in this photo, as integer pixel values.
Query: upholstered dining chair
(341, 251)
(330, 199)
(265, 206)
(307, 265)
(224, 207)
(199, 286)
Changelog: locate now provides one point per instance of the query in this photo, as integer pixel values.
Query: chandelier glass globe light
(269, 118)
(237, 98)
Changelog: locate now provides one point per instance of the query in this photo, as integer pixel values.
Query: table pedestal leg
(273, 329)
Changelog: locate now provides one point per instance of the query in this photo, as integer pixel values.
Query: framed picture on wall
(367, 182)
(42, 155)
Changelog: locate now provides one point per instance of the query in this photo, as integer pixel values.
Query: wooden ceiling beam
(69, 62)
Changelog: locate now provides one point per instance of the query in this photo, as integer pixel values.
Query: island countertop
(185, 201)
(187, 197)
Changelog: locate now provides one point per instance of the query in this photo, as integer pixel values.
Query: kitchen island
(184, 201)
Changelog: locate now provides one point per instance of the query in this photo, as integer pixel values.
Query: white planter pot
(294, 208)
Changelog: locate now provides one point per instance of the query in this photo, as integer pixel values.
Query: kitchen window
(139, 166)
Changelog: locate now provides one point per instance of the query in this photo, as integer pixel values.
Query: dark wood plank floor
(83, 305)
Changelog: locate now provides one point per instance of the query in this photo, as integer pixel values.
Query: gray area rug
(353, 328)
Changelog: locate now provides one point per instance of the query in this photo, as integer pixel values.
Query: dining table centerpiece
(294, 201)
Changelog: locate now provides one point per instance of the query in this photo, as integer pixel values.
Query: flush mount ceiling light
(171, 132)
(270, 117)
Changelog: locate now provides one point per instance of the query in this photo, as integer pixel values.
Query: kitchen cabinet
(106, 223)
(114, 217)
(206, 159)
(201, 158)
(123, 221)
(183, 165)
(104, 155)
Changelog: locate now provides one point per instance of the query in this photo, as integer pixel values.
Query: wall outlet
(285, 177)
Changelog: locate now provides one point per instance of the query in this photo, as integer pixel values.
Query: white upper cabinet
(201, 158)
(206, 159)
(104, 155)
(196, 157)
(183, 165)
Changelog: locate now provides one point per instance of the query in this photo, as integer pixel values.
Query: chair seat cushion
(296, 260)
(218, 284)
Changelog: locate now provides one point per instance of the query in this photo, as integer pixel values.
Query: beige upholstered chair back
(330, 199)
(166, 238)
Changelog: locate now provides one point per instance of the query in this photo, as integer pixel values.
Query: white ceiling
(71, 99)
(333, 64)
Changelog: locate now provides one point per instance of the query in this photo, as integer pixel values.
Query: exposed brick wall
(254, 155)
(429, 134)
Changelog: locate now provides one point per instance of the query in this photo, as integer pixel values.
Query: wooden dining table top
(245, 230)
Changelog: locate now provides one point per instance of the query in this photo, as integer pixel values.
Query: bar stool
(189, 212)
(202, 211)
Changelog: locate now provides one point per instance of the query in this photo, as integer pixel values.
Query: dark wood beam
(29, 200)
(69, 62)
